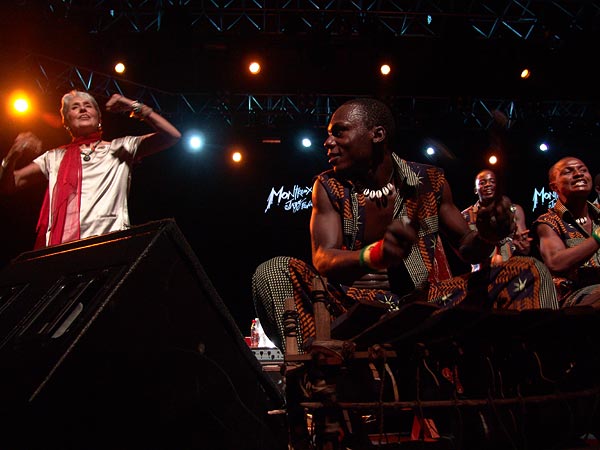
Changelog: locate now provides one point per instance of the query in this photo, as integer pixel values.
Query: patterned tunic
(503, 250)
(419, 201)
(582, 280)
(521, 283)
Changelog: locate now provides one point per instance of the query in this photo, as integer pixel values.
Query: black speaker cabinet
(121, 341)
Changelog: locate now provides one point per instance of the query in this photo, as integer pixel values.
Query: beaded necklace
(379, 193)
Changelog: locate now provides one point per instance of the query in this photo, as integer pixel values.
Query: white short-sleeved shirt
(106, 179)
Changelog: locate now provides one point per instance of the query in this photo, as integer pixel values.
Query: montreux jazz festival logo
(298, 199)
(293, 200)
(544, 198)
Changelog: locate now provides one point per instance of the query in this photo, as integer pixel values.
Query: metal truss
(312, 109)
(523, 19)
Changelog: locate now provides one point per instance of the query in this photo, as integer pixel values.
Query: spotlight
(254, 67)
(437, 150)
(20, 104)
(195, 141)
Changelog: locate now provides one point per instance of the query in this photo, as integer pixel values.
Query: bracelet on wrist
(371, 256)
(596, 235)
(361, 257)
(140, 111)
(136, 110)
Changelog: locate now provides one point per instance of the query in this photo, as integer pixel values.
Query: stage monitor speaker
(121, 341)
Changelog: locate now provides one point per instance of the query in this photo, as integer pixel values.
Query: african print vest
(419, 197)
(562, 222)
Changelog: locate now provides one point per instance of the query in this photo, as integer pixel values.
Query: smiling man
(569, 234)
(518, 242)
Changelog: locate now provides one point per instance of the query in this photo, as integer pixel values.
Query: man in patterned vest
(375, 234)
(516, 243)
(569, 234)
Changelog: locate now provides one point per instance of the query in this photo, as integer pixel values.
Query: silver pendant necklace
(87, 156)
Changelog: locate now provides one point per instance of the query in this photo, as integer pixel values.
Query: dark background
(454, 77)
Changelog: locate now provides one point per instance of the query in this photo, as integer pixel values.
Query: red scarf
(66, 198)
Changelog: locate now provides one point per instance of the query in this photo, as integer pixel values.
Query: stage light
(493, 160)
(194, 141)
(20, 104)
(306, 143)
(544, 147)
(385, 69)
(525, 73)
(437, 150)
(254, 67)
(120, 67)
(236, 156)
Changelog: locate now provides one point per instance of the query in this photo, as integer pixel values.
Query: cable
(437, 382)
(501, 423)
(541, 372)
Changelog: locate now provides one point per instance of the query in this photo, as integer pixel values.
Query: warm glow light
(385, 69)
(120, 67)
(493, 160)
(254, 67)
(236, 156)
(525, 74)
(20, 104)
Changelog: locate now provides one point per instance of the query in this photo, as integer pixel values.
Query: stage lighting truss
(414, 18)
(278, 109)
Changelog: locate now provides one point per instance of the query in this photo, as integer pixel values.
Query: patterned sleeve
(546, 220)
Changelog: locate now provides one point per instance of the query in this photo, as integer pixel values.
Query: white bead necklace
(379, 193)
